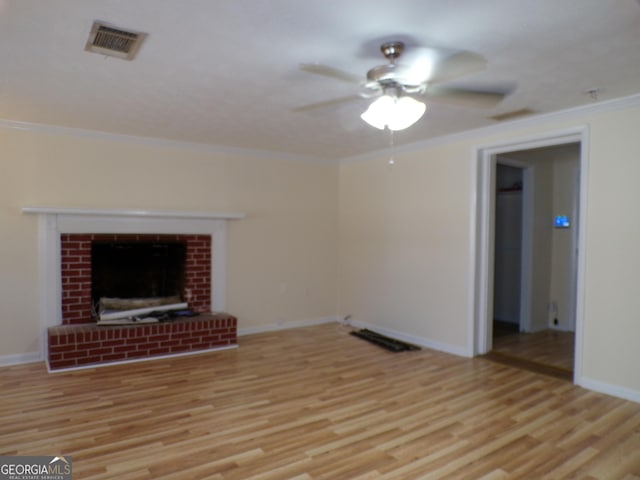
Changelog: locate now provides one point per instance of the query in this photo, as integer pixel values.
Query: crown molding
(158, 142)
(622, 103)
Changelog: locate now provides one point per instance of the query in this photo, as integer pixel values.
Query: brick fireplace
(72, 337)
(76, 270)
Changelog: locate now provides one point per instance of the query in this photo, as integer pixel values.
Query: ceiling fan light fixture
(378, 112)
(396, 113)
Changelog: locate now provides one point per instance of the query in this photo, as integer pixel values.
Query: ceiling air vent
(112, 41)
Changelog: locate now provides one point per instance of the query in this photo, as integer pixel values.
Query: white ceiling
(225, 72)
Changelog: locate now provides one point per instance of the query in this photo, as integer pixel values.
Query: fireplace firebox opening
(130, 270)
(174, 270)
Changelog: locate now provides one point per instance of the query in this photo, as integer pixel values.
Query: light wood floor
(317, 403)
(548, 347)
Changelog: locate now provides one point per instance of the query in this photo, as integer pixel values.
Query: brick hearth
(78, 345)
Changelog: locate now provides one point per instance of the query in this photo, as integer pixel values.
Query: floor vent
(386, 342)
(112, 41)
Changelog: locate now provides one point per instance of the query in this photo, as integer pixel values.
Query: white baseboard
(613, 390)
(19, 358)
(286, 325)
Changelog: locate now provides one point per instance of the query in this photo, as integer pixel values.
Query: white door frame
(485, 158)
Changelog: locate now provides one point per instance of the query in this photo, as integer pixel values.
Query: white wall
(405, 232)
(404, 244)
(281, 257)
(612, 302)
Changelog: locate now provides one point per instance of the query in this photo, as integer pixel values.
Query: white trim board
(608, 389)
(481, 241)
(129, 212)
(20, 358)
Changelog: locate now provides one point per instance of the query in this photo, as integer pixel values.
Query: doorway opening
(529, 282)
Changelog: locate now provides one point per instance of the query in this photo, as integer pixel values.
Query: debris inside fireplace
(124, 311)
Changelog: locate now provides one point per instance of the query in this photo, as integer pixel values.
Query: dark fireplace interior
(141, 269)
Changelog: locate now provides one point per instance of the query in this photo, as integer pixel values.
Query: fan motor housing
(383, 73)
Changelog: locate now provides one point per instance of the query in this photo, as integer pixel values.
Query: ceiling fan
(409, 76)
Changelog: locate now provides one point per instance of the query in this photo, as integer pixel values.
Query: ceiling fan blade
(456, 65)
(330, 72)
(465, 97)
(327, 103)
(415, 66)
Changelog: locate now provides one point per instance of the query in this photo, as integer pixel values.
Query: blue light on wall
(561, 221)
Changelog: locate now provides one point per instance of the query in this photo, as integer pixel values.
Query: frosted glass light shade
(395, 113)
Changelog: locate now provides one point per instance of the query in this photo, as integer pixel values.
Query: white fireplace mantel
(128, 212)
(54, 221)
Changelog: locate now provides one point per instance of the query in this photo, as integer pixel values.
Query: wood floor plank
(317, 403)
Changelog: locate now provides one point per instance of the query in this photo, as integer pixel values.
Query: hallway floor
(551, 348)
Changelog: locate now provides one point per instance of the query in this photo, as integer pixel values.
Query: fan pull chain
(392, 160)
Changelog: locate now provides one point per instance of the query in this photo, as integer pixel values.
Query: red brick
(124, 348)
(104, 346)
(76, 252)
(137, 354)
(180, 348)
(63, 364)
(113, 357)
(77, 307)
(159, 351)
(180, 336)
(100, 351)
(77, 294)
(211, 338)
(159, 338)
(62, 348)
(78, 354)
(90, 360)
